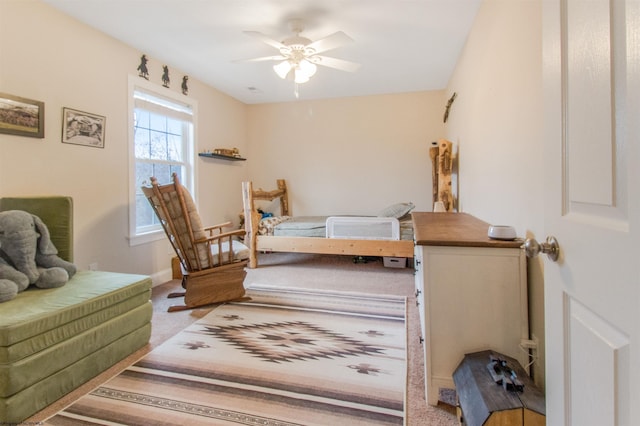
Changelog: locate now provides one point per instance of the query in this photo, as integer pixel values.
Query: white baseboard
(161, 277)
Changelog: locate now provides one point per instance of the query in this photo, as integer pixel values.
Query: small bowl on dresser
(502, 232)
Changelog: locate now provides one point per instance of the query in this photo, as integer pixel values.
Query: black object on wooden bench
(483, 401)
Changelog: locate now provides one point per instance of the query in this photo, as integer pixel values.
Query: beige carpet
(306, 271)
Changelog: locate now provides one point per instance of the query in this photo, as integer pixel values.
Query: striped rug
(286, 357)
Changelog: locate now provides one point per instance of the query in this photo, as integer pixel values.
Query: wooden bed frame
(318, 245)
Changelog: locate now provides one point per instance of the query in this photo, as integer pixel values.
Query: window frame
(136, 83)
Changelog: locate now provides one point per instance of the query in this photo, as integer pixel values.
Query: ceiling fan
(299, 55)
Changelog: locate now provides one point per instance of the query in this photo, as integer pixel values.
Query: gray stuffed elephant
(27, 255)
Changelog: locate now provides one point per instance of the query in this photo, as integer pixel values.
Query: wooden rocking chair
(212, 261)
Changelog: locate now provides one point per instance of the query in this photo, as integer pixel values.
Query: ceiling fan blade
(331, 41)
(339, 64)
(265, 39)
(263, 58)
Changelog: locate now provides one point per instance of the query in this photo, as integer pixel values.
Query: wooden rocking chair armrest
(218, 226)
(213, 238)
(234, 233)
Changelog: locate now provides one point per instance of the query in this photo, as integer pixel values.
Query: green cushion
(54, 340)
(36, 311)
(25, 403)
(19, 375)
(27, 347)
(55, 211)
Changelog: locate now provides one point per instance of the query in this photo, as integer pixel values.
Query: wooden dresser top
(455, 229)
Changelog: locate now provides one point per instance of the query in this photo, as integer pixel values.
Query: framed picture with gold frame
(21, 116)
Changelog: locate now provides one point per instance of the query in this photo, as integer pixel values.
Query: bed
(308, 234)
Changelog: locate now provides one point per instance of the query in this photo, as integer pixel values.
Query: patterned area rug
(287, 357)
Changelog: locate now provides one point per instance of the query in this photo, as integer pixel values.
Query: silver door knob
(550, 247)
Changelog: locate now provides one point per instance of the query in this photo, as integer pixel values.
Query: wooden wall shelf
(221, 157)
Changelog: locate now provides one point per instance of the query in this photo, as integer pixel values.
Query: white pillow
(397, 210)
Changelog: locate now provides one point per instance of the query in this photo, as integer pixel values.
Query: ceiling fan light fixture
(282, 69)
(303, 71)
(309, 68)
(299, 56)
(300, 76)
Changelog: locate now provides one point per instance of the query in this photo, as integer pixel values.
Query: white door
(591, 54)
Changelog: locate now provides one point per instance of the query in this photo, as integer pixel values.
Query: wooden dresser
(471, 292)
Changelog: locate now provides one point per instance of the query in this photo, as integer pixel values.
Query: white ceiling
(403, 45)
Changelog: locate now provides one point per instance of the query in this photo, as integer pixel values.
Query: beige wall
(354, 155)
(47, 56)
(496, 122)
(350, 155)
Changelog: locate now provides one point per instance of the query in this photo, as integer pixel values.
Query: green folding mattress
(54, 340)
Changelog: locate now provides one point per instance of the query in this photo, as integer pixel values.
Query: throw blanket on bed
(267, 225)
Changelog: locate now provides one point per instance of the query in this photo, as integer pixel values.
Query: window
(162, 142)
